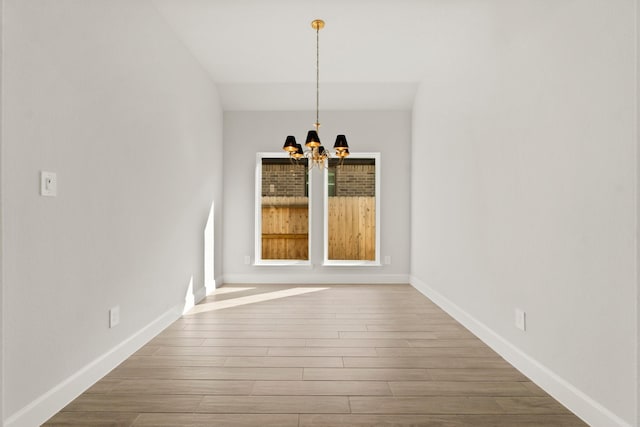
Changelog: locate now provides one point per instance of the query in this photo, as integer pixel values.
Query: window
(282, 210)
(352, 210)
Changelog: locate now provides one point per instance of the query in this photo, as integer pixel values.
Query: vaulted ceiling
(373, 53)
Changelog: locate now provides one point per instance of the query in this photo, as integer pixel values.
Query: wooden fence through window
(285, 228)
(352, 228)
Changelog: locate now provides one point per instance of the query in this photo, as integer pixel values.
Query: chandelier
(315, 152)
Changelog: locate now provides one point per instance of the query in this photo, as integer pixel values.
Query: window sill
(346, 263)
(282, 263)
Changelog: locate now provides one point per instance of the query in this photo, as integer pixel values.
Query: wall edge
(588, 409)
(49, 403)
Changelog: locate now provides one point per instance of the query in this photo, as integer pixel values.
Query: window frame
(258, 261)
(353, 263)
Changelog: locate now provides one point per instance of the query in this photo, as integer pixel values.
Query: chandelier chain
(317, 125)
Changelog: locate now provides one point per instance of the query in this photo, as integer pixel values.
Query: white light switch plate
(48, 184)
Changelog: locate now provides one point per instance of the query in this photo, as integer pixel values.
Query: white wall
(524, 188)
(246, 133)
(103, 94)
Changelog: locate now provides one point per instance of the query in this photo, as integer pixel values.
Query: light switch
(48, 184)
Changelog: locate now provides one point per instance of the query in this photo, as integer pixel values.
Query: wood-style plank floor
(346, 355)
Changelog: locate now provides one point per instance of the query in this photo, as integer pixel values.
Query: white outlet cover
(114, 316)
(521, 319)
(48, 184)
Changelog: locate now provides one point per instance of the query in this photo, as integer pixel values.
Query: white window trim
(258, 261)
(353, 263)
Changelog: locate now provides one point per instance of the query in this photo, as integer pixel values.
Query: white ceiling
(373, 53)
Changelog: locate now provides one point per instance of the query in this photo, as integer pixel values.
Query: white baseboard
(199, 295)
(48, 404)
(317, 279)
(216, 283)
(578, 402)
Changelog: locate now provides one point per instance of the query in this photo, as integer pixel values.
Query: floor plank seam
(367, 354)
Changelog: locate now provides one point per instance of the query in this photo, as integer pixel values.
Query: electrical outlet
(247, 260)
(387, 260)
(114, 316)
(521, 319)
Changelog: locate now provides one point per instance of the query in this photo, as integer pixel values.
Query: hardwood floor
(347, 355)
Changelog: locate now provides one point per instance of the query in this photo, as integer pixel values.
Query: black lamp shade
(322, 151)
(298, 154)
(290, 144)
(313, 140)
(341, 143)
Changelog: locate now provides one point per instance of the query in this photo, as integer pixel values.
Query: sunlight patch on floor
(230, 290)
(251, 299)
